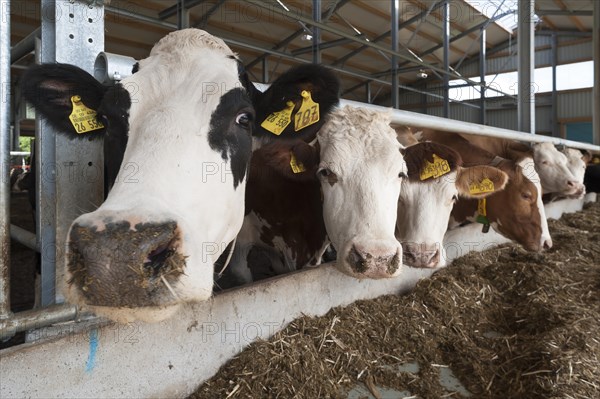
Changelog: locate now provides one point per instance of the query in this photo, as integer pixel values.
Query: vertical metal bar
(5, 160)
(554, 55)
(368, 92)
(71, 172)
(482, 73)
(183, 15)
(446, 46)
(525, 39)
(265, 70)
(316, 37)
(596, 104)
(395, 47)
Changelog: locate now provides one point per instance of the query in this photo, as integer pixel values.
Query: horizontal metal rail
(417, 120)
(36, 318)
(20, 153)
(25, 46)
(24, 237)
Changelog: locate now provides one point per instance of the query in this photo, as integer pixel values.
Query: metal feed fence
(73, 32)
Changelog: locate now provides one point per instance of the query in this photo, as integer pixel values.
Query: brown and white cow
(436, 180)
(347, 195)
(184, 119)
(517, 212)
(551, 165)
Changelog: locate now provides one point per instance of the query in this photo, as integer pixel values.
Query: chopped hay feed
(508, 323)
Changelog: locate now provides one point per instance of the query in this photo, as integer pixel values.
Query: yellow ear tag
(308, 114)
(435, 169)
(484, 186)
(481, 207)
(83, 118)
(278, 121)
(297, 167)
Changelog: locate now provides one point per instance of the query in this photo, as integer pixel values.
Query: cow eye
(402, 175)
(527, 195)
(324, 172)
(454, 198)
(243, 119)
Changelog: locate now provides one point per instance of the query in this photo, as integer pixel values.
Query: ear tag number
(308, 114)
(484, 186)
(435, 169)
(297, 167)
(278, 121)
(83, 118)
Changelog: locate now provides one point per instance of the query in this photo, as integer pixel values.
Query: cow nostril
(160, 258)
(570, 184)
(547, 244)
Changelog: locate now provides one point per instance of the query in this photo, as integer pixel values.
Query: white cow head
(179, 197)
(361, 170)
(553, 169)
(435, 182)
(577, 161)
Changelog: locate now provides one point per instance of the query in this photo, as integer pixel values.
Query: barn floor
(505, 323)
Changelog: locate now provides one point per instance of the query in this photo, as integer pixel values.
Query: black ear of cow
(416, 155)
(321, 82)
(278, 156)
(49, 88)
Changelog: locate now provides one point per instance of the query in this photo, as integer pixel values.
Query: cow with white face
(551, 165)
(361, 170)
(342, 187)
(576, 162)
(185, 120)
(436, 180)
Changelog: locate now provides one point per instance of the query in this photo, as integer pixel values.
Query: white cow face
(178, 199)
(426, 199)
(553, 169)
(361, 169)
(577, 162)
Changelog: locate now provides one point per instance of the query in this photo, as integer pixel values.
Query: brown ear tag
(308, 114)
(297, 167)
(278, 121)
(83, 118)
(435, 169)
(484, 186)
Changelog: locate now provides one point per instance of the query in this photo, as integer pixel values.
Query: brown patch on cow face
(417, 155)
(516, 211)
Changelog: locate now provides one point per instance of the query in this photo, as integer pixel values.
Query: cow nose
(571, 184)
(374, 264)
(548, 243)
(125, 266)
(415, 256)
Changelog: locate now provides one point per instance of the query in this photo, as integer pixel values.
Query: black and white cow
(186, 120)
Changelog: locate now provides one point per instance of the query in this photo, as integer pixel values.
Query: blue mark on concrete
(91, 361)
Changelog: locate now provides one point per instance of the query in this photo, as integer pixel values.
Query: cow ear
(297, 91)
(293, 159)
(480, 181)
(586, 156)
(55, 89)
(420, 158)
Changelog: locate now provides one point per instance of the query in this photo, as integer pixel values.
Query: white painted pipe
(110, 67)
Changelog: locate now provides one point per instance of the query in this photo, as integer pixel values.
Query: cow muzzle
(118, 264)
(376, 260)
(421, 255)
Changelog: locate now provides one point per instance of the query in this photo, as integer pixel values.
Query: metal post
(554, 55)
(183, 15)
(5, 161)
(265, 70)
(482, 72)
(395, 48)
(596, 106)
(316, 38)
(446, 44)
(525, 39)
(71, 171)
(368, 92)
